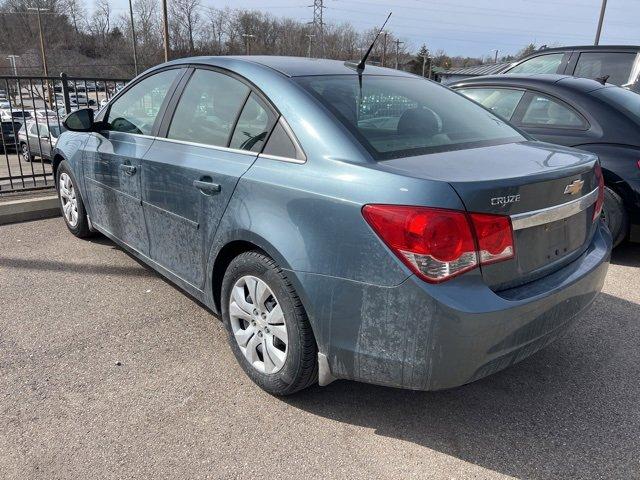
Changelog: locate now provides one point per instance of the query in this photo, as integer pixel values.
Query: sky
(467, 27)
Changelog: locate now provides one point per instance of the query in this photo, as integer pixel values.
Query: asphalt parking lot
(107, 371)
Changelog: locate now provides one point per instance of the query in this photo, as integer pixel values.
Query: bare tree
(186, 22)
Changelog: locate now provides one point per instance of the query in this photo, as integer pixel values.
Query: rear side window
(543, 111)
(253, 125)
(541, 64)
(208, 109)
(501, 101)
(597, 64)
(136, 110)
(280, 144)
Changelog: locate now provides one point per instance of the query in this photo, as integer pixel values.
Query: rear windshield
(402, 116)
(622, 99)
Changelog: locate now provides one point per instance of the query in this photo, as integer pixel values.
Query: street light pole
(248, 37)
(600, 20)
(384, 48)
(12, 60)
(165, 28)
(42, 50)
(496, 57)
(133, 38)
(310, 37)
(398, 42)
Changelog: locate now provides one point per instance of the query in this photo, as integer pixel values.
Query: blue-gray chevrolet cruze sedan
(367, 225)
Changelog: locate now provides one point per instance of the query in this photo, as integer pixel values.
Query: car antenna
(359, 67)
(603, 79)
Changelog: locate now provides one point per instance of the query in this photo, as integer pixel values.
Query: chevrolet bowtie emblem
(574, 187)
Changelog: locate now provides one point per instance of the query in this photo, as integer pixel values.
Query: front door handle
(128, 169)
(207, 186)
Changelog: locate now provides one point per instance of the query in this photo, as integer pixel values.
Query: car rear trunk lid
(549, 192)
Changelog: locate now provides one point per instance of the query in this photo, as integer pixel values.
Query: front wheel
(71, 204)
(268, 328)
(615, 216)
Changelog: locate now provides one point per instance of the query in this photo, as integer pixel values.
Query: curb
(29, 209)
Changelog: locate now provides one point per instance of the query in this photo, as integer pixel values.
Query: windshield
(622, 99)
(403, 116)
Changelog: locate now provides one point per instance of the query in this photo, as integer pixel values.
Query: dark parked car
(619, 63)
(582, 113)
(423, 245)
(8, 141)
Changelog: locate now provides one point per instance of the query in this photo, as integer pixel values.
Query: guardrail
(31, 114)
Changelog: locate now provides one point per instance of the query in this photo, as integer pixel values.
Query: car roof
(584, 47)
(584, 85)
(292, 66)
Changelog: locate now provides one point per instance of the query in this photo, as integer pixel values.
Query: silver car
(38, 138)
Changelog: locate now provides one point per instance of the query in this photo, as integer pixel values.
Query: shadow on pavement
(570, 411)
(627, 254)
(82, 268)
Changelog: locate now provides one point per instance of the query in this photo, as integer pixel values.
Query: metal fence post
(65, 93)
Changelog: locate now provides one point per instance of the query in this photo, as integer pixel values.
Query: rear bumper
(429, 337)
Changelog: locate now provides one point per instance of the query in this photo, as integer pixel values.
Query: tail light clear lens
(600, 201)
(438, 244)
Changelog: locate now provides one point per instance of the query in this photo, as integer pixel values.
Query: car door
(112, 160)
(212, 133)
(550, 119)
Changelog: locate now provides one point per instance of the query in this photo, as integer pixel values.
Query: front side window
(253, 125)
(543, 111)
(208, 109)
(501, 101)
(598, 64)
(404, 116)
(136, 110)
(541, 64)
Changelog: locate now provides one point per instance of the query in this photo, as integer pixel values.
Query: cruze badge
(505, 200)
(574, 187)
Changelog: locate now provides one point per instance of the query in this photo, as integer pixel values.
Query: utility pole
(12, 60)
(165, 29)
(599, 31)
(133, 38)
(397, 42)
(384, 48)
(318, 22)
(42, 50)
(247, 37)
(496, 57)
(310, 37)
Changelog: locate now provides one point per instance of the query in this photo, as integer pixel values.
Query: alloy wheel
(25, 153)
(258, 324)
(68, 199)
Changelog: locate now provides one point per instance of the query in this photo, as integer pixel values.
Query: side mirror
(80, 120)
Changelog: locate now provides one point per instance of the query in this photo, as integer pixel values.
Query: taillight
(438, 244)
(495, 237)
(600, 200)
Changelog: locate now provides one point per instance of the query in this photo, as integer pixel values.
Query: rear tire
(71, 204)
(615, 216)
(24, 153)
(253, 329)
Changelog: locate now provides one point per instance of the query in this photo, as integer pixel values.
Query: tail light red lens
(495, 237)
(600, 201)
(438, 244)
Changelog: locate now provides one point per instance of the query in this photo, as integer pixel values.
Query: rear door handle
(128, 169)
(207, 187)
